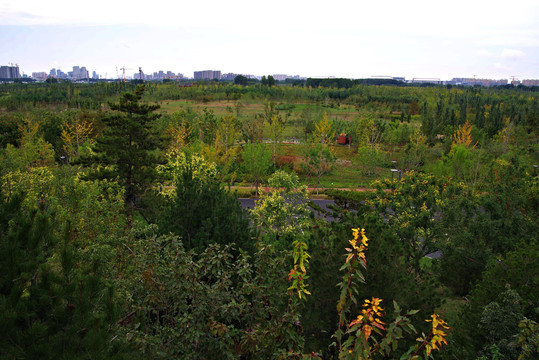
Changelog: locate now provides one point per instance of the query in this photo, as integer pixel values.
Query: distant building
(159, 75)
(60, 74)
(9, 72)
(39, 76)
(84, 74)
(530, 82)
(426, 81)
(280, 77)
(476, 81)
(208, 75)
(79, 73)
(229, 76)
(52, 73)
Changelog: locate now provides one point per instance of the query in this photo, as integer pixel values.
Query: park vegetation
(121, 235)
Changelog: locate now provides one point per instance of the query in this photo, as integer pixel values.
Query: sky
(342, 38)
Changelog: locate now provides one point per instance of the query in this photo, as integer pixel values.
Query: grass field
(344, 112)
(347, 172)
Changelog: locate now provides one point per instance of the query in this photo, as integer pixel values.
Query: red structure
(344, 139)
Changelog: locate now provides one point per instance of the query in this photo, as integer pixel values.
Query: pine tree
(202, 212)
(125, 146)
(55, 302)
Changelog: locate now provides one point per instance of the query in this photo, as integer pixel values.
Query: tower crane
(123, 72)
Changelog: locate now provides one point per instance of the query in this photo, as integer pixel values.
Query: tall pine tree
(124, 149)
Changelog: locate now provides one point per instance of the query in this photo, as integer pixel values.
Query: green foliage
(208, 305)
(413, 208)
(367, 336)
(283, 214)
(500, 320)
(387, 275)
(54, 303)
(175, 165)
(275, 125)
(257, 161)
(464, 164)
(33, 150)
(92, 207)
(240, 80)
(75, 284)
(124, 149)
(517, 271)
(319, 160)
(201, 212)
(371, 158)
(398, 133)
(414, 152)
(528, 339)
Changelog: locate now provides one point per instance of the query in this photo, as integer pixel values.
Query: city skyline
(348, 39)
(82, 74)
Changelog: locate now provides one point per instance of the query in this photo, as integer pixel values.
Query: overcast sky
(342, 38)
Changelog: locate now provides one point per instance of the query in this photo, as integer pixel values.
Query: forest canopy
(390, 221)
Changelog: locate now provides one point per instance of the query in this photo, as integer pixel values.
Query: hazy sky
(343, 38)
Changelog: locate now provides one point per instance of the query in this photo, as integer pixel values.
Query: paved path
(248, 203)
(311, 190)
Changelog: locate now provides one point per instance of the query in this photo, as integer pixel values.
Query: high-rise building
(229, 76)
(530, 82)
(60, 74)
(39, 76)
(208, 75)
(52, 73)
(76, 73)
(83, 74)
(9, 72)
(280, 77)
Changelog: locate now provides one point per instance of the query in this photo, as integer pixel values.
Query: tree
(215, 304)
(414, 153)
(463, 135)
(252, 129)
(370, 158)
(429, 123)
(207, 126)
(413, 209)
(413, 108)
(177, 133)
(364, 130)
(201, 212)
(275, 124)
(284, 212)
(515, 275)
(324, 132)
(76, 133)
(227, 132)
(367, 335)
(54, 301)
(241, 80)
(257, 161)
(126, 144)
(33, 151)
(319, 160)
